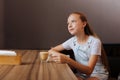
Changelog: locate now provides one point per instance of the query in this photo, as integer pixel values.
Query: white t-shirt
(83, 52)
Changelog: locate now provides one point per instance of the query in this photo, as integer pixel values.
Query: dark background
(41, 24)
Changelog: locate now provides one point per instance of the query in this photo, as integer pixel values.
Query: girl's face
(75, 25)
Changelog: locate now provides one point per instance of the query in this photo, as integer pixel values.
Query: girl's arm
(83, 68)
(57, 48)
(61, 58)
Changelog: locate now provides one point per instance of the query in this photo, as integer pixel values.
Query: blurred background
(41, 24)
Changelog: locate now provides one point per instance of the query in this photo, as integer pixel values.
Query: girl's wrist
(66, 59)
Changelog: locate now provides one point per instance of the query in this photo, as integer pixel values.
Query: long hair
(88, 31)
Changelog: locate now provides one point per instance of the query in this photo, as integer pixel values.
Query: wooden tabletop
(32, 69)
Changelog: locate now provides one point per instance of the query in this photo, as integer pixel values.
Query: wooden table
(32, 69)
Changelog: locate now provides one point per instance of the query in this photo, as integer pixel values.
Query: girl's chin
(72, 33)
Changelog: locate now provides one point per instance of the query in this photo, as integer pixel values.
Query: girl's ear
(84, 23)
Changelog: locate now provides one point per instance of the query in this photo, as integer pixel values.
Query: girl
(86, 47)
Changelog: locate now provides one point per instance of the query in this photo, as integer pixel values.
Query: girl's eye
(73, 21)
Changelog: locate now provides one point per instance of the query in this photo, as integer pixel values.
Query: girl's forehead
(73, 16)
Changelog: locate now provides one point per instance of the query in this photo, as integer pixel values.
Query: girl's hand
(57, 57)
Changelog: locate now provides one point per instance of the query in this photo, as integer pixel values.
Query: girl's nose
(69, 25)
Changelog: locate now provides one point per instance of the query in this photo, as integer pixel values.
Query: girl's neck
(82, 38)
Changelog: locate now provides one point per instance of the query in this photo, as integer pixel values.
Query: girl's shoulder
(94, 39)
